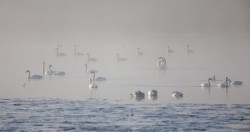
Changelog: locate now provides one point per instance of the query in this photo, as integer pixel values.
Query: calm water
(66, 102)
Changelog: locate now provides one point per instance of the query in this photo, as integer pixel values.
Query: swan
(235, 82)
(138, 95)
(177, 94)
(189, 50)
(139, 51)
(152, 93)
(213, 78)
(224, 84)
(170, 50)
(34, 77)
(98, 78)
(162, 64)
(59, 54)
(91, 70)
(60, 73)
(92, 85)
(50, 72)
(90, 59)
(207, 84)
(119, 58)
(77, 53)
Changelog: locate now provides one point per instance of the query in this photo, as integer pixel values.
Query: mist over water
(217, 32)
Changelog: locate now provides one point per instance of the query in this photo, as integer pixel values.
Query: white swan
(189, 50)
(224, 84)
(170, 50)
(139, 51)
(34, 77)
(177, 94)
(120, 58)
(50, 72)
(138, 95)
(89, 58)
(213, 78)
(92, 85)
(208, 84)
(152, 93)
(162, 63)
(98, 78)
(235, 82)
(59, 54)
(77, 53)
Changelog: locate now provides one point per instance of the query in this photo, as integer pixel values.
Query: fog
(217, 30)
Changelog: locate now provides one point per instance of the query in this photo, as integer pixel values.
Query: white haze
(217, 30)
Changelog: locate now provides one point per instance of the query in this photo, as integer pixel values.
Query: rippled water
(105, 115)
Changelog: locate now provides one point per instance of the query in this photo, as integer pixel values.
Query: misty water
(67, 103)
(65, 34)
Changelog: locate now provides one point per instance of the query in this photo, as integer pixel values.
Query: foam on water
(105, 115)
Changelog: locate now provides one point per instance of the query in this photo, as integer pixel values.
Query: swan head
(210, 79)
(28, 71)
(50, 66)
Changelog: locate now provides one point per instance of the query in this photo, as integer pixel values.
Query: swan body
(139, 51)
(50, 72)
(120, 58)
(89, 58)
(138, 95)
(59, 54)
(77, 53)
(170, 50)
(189, 50)
(35, 77)
(60, 73)
(224, 84)
(162, 63)
(152, 93)
(213, 78)
(91, 84)
(177, 94)
(98, 78)
(236, 82)
(208, 84)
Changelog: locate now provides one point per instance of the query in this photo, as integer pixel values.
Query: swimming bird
(138, 95)
(224, 84)
(235, 82)
(89, 58)
(50, 72)
(98, 78)
(208, 84)
(189, 50)
(177, 94)
(170, 50)
(33, 77)
(120, 58)
(213, 78)
(92, 85)
(139, 52)
(152, 93)
(162, 63)
(60, 54)
(77, 53)
(60, 73)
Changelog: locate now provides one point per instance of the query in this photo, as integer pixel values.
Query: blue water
(105, 115)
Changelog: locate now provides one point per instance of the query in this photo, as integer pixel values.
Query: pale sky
(50, 20)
